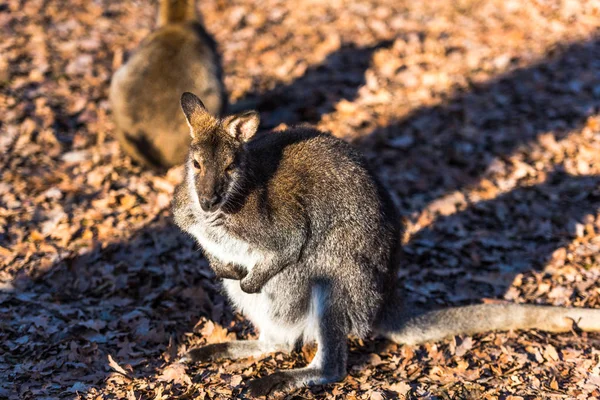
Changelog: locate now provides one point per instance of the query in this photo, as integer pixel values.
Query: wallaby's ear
(195, 113)
(243, 126)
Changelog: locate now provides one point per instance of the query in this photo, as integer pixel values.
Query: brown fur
(176, 11)
(144, 94)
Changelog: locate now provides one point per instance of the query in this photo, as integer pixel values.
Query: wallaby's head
(217, 151)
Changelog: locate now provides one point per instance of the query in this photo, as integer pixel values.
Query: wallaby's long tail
(176, 11)
(437, 325)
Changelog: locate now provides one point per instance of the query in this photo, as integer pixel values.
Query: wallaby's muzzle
(210, 204)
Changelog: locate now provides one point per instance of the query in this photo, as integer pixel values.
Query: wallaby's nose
(210, 204)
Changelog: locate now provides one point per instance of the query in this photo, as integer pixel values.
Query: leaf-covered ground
(483, 117)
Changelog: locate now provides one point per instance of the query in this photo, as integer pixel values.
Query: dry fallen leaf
(400, 387)
(113, 364)
(214, 333)
(464, 347)
(175, 373)
(550, 353)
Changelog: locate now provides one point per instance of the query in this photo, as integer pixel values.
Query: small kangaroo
(144, 93)
(307, 241)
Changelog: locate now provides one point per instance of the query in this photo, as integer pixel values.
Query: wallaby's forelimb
(226, 271)
(282, 250)
(258, 276)
(439, 324)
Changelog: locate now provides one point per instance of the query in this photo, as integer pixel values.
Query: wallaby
(307, 241)
(144, 93)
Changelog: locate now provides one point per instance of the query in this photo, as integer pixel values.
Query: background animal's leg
(329, 364)
(141, 149)
(233, 350)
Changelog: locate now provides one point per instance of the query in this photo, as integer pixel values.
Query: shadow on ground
(477, 253)
(437, 150)
(308, 98)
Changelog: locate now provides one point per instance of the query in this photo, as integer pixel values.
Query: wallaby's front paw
(231, 271)
(250, 286)
(277, 381)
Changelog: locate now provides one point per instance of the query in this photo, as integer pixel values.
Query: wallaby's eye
(230, 168)
(196, 164)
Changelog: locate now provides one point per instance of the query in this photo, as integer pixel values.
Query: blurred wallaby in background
(178, 56)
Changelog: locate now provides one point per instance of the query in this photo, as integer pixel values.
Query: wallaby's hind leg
(329, 364)
(232, 350)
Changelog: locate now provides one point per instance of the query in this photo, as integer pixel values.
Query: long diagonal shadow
(478, 252)
(436, 150)
(315, 93)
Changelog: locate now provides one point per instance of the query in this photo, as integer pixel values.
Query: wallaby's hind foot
(232, 350)
(292, 379)
(141, 150)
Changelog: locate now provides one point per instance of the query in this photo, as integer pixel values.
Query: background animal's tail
(437, 325)
(176, 11)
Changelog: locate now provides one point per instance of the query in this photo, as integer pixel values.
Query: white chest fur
(220, 244)
(226, 248)
(216, 241)
(257, 307)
